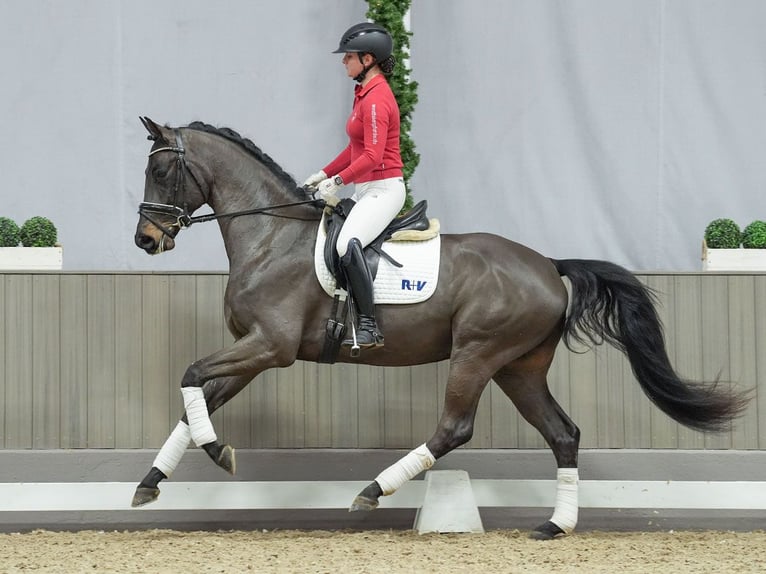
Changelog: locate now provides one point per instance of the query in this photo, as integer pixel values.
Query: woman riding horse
(497, 314)
(372, 161)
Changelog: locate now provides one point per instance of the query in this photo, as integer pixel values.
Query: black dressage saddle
(415, 219)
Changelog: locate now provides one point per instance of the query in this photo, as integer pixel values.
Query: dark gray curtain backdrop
(609, 129)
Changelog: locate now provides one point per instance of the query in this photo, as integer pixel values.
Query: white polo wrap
(171, 452)
(565, 513)
(412, 464)
(201, 427)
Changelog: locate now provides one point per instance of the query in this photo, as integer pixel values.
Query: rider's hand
(327, 189)
(314, 179)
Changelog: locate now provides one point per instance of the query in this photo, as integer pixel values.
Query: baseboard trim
(312, 488)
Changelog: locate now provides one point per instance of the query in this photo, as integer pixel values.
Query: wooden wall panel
(46, 365)
(395, 387)
(349, 404)
(263, 403)
(317, 404)
(760, 359)
(367, 386)
(101, 361)
(425, 402)
(18, 405)
(155, 373)
(715, 341)
(4, 361)
(742, 350)
(96, 361)
(74, 360)
(128, 388)
(291, 429)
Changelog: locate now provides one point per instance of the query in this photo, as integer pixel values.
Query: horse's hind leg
(217, 392)
(525, 384)
(467, 380)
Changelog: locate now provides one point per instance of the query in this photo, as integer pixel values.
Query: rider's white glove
(314, 179)
(327, 189)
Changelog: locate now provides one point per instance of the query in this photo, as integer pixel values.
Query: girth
(415, 219)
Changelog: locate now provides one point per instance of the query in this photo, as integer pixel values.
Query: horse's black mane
(245, 143)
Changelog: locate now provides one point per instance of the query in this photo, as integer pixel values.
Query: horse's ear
(155, 132)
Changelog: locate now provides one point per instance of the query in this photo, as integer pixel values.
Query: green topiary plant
(38, 232)
(754, 235)
(9, 233)
(723, 234)
(390, 14)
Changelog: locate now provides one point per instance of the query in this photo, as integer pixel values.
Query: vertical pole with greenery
(390, 14)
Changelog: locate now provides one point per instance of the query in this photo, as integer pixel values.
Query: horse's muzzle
(153, 245)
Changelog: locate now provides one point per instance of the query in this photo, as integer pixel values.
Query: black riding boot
(359, 280)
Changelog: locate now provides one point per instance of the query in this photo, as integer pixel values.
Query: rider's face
(353, 66)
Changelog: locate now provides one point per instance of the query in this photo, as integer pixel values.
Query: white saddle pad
(412, 283)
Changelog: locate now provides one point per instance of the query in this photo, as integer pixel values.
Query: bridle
(183, 218)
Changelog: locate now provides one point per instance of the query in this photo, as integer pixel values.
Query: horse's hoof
(144, 495)
(362, 503)
(226, 459)
(547, 531)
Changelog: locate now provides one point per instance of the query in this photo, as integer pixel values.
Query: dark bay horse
(498, 313)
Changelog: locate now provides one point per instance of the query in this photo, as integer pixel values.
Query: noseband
(183, 218)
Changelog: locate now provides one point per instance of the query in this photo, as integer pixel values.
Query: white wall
(79, 73)
(610, 129)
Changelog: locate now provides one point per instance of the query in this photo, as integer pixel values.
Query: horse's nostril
(145, 241)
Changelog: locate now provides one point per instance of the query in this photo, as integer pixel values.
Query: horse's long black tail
(610, 304)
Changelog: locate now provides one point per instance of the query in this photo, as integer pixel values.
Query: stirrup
(365, 336)
(365, 339)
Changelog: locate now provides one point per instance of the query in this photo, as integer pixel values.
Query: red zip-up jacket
(373, 130)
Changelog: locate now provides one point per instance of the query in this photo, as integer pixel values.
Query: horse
(498, 313)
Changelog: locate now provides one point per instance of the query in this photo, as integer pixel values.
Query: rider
(371, 161)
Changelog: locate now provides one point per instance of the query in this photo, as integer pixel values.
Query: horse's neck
(254, 238)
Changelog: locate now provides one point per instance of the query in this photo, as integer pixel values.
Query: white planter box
(29, 258)
(733, 259)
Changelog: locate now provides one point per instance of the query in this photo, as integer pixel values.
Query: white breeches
(377, 203)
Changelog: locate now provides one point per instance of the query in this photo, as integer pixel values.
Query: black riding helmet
(367, 38)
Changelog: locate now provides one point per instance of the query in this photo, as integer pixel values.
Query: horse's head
(172, 191)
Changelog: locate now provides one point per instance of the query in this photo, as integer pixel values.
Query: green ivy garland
(390, 15)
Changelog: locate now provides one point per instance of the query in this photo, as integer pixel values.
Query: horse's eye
(159, 173)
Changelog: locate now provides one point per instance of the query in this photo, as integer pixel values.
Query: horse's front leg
(217, 393)
(247, 357)
(201, 431)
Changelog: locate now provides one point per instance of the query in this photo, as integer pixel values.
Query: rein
(255, 211)
(183, 219)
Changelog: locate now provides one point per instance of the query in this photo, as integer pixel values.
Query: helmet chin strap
(360, 76)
